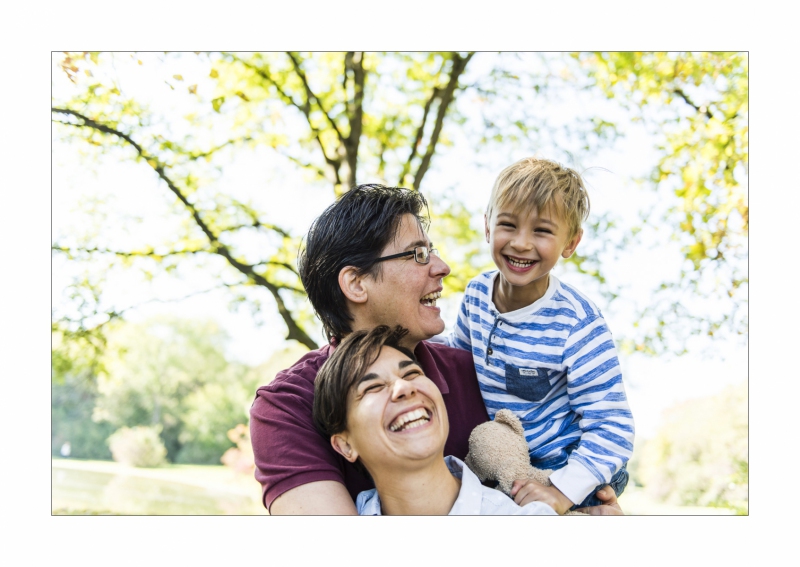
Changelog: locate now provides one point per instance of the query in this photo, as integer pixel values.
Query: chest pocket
(530, 384)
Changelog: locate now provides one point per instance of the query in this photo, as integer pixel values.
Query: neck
(426, 491)
(507, 297)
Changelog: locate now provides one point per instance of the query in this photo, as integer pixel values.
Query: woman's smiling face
(395, 414)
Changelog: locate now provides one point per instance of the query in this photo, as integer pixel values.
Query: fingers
(606, 494)
(602, 511)
(519, 483)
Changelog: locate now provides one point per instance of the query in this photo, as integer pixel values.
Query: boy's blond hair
(535, 183)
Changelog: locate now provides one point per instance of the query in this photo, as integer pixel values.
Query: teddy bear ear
(507, 417)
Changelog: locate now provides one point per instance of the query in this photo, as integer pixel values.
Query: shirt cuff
(574, 481)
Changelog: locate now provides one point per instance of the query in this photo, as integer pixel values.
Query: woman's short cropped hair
(353, 231)
(342, 371)
(535, 183)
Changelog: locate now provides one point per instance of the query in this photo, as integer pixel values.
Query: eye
(545, 230)
(371, 388)
(505, 224)
(412, 373)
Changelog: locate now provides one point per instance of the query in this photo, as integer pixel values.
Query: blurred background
(183, 184)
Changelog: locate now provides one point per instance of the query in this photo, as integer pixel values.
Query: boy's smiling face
(395, 415)
(525, 246)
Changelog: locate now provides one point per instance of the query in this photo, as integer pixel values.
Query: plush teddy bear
(498, 451)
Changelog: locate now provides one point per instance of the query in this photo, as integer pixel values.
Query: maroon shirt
(290, 452)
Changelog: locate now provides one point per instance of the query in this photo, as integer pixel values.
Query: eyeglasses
(422, 255)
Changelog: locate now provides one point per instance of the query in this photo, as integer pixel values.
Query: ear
(352, 284)
(341, 446)
(507, 417)
(572, 244)
(486, 226)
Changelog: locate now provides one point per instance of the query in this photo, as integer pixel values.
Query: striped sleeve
(460, 337)
(597, 395)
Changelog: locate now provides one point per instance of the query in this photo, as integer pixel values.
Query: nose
(523, 241)
(402, 389)
(438, 267)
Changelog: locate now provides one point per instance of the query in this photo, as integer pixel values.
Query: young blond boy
(541, 348)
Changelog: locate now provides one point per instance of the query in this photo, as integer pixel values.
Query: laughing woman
(382, 413)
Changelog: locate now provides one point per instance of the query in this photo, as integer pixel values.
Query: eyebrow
(366, 378)
(539, 219)
(373, 376)
(416, 243)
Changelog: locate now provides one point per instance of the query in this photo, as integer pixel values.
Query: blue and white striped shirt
(554, 364)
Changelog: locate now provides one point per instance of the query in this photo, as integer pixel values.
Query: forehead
(527, 210)
(409, 233)
(389, 360)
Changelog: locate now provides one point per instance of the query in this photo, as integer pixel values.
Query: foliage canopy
(346, 118)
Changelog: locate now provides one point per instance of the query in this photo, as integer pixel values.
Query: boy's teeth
(519, 263)
(410, 420)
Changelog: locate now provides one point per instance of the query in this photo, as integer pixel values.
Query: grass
(82, 487)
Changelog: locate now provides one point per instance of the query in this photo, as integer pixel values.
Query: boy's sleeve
(597, 395)
(460, 337)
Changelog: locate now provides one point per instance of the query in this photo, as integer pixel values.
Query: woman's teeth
(430, 299)
(410, 420)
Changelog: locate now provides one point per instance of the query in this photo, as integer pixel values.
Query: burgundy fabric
(290, 452)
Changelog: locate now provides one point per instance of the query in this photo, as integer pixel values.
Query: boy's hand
(610, 506)
(525, 491)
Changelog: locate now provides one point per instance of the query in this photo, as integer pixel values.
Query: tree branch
(311, 97)
(446, 98)
(688, 101)
(418, 138)
(334, 163)
(354, 64)
(217, 247)
(131, 254)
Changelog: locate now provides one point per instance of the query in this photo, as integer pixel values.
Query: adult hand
(610, 506)
(526, 491)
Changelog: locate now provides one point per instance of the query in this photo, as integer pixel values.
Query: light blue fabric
(554, 364)
(474, 499)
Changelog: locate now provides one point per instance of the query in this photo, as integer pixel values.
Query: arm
(322, 498)
(596, 394)
(526, 491)
(297, 468)
(460, 337)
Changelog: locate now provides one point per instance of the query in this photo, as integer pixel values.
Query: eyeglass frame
(431, 252)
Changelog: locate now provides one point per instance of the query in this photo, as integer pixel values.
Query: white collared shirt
(474, 499)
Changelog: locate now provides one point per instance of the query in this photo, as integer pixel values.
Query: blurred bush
(700, 455)
(139, 446)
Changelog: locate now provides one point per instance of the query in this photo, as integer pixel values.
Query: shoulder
(481, 284)
(299, 378)
(583, 307)
(446, 358)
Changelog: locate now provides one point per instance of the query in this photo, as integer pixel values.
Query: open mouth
(430, 299)
(411, 420)
(520, 263)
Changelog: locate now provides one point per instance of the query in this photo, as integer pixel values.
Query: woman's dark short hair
(353, 231)
(345, 367)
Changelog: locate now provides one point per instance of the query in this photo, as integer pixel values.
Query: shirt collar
(470, 496)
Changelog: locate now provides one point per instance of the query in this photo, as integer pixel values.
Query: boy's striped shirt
(554, 364)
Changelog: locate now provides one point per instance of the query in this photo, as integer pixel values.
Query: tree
(697, 105)
(346, 118)
(173, 374)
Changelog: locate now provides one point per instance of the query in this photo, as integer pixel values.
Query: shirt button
(490, 351)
